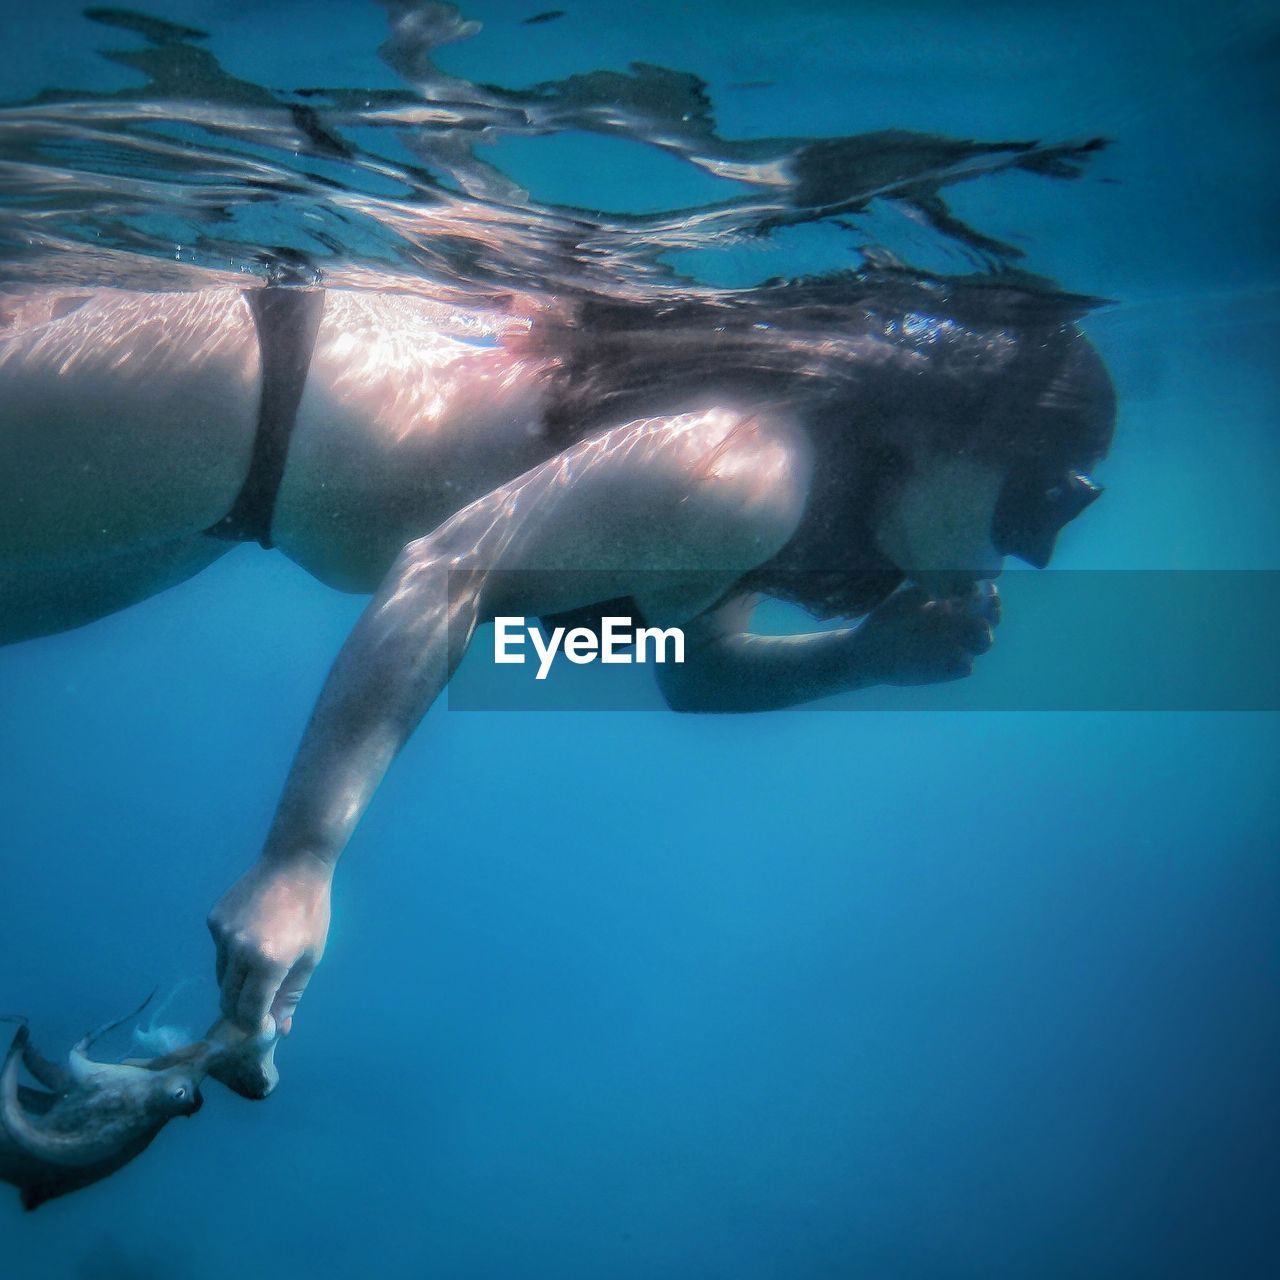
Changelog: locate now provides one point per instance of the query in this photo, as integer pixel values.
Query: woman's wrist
(868, 662)
(302, 861)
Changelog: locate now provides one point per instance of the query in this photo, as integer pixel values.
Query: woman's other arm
(908, 639)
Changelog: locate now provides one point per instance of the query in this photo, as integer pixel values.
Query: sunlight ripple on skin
(398, 361)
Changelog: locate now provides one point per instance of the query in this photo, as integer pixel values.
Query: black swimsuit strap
(286, 318)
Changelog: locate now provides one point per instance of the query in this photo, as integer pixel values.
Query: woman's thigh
(49, 598)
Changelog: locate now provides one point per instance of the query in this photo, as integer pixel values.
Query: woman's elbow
(699, 693)
(683, 692)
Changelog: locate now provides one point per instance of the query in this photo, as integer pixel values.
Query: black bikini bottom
(286, 318)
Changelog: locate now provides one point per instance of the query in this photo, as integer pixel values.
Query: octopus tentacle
(84, 1069)
(50, 1074)
(37, 1144)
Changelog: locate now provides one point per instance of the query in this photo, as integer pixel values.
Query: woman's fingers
(254, 987)
(964, 629)
(920, 640)
(258, 993)
(978, 636)
(978, 617)
(987, 603)
(235, 973)
(222, 953)
(250, 984)
(290, 994)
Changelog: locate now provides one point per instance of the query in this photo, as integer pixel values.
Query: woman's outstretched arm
(270, 928)
(670, 511)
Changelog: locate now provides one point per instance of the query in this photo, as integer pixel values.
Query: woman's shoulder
(741, 476)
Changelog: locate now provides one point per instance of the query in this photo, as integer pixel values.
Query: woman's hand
(270, 930)
(913, 639)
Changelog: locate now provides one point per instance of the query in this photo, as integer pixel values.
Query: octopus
(88, 1119)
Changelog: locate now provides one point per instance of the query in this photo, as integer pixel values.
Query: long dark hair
(876, 364)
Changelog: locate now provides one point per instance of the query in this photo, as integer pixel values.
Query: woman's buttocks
(126, 419)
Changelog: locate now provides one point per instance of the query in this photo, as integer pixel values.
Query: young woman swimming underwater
(867, 445)
(534, 415)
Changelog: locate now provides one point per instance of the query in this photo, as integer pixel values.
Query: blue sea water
(636, 995)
